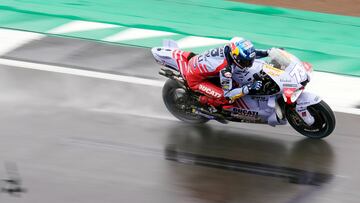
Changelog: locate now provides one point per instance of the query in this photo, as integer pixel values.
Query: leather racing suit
(216, 62)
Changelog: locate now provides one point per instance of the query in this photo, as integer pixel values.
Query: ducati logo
(245, 112)
(209, 91)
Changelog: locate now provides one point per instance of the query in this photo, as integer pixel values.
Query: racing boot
(217, 113)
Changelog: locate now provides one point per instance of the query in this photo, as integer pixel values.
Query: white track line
(337, 90)
(78, 25)
(135, 33)
(12, 39)
(79, 72)
(340, 92)
(336, 104)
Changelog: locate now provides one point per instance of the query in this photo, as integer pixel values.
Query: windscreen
(281, 59)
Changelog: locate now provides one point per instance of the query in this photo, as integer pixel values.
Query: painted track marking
(136, 33)
(191, 42)
(79, 25)
(79, 72)
(121, 78)
(12, 39)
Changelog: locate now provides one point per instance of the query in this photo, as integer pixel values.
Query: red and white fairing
(289, 73)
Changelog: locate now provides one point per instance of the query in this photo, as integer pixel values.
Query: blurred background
(82, 118)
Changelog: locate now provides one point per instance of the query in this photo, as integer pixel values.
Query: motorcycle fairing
(256, 109)
(276, 117)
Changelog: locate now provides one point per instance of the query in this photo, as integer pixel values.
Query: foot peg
(210, 115)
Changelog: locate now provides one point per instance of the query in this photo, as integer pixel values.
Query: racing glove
(239, 92)
(254, 86)
(264, 53)
(261, 53)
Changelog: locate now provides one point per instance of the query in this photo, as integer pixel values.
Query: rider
(229, 63)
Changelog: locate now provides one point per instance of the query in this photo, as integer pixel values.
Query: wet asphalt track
(77, 139)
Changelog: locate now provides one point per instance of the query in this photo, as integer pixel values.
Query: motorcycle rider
(230, 63)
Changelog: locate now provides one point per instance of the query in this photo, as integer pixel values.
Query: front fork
(305, 115)
(299, 106)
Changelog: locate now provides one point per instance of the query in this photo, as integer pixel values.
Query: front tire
(178, 101)
(324, 121)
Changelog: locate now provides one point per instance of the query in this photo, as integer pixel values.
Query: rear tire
(178, 101)
(324, 121)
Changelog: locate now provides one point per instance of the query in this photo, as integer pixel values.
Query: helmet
(242, 52)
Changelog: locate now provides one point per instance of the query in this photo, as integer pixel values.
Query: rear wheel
(179, 102)
(324, 121)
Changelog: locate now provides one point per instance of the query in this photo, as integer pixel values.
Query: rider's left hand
(255, 86)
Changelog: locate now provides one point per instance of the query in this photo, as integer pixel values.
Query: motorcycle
(281, 99)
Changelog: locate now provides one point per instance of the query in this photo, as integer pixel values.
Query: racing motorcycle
(281, 99)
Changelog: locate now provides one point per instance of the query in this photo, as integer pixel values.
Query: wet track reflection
(291, 174)
(304, 162)
(215, 164)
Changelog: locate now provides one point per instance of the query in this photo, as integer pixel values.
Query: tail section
(164, 56)
(171, 56)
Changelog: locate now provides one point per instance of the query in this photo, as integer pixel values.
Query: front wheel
(178, 101)
(324, 121)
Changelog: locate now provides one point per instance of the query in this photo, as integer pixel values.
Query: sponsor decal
(209, 91)
(245, 119)
(215, 52)
(305, 103)
(272, 71)
(259, 98)
(274, 74)
(285, 80)
(270, 67)
(245, 112)
(235, 51)
(289, 85)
